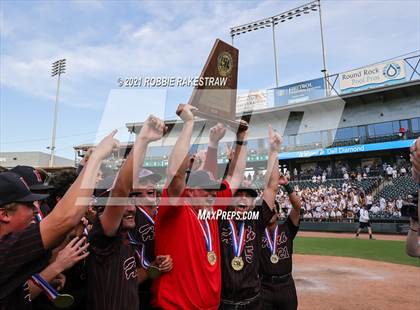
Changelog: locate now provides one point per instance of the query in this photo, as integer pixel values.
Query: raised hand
(217, 133)
(71, 254)
(242, 132)
(153, 129)
(106, 146)
(274, 139)
(185, 112)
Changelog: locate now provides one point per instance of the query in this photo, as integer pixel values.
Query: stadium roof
(33, 159)
(402, 90)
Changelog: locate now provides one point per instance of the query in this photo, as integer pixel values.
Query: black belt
(243, 302)
(276, 279)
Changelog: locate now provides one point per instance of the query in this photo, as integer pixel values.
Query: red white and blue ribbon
(272, 244)
(238, 241)
(39, 216)
(146, 214)
(206, 233)
(141, 256)
(143, 260)
(44, 286)
(85, 230)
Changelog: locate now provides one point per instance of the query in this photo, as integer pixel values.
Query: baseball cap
(32, 177)
(201, 179)
(13, 188)
(104, 186)
(146, 174)
(248, 189)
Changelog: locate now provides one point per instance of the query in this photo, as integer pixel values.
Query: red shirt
(192, 283)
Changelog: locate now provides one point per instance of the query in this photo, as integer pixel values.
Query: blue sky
(105, 40)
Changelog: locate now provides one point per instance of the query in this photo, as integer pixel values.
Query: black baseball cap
(201, 179)
(248, 189)
(13, 188)
(32, 177)
(104, 186)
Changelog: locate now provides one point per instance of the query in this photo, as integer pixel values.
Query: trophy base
(231, 123)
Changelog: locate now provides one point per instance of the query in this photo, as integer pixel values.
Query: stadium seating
(399, 187)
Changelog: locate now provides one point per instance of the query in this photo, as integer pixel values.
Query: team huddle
(128, 248)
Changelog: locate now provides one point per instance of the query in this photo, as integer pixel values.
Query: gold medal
(211, 257)
(237, 263)
(63, 301)
(274, 259)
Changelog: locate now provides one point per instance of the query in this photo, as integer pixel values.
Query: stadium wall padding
(383, 228)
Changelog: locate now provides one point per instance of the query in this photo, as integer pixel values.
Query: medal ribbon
(146, 215)
(44, 286)
(85, 230)
(206, 233)
(39, 216)
(272, 243)
(140, 256)
(238, 242)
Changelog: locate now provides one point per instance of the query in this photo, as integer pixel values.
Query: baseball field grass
(380, 250)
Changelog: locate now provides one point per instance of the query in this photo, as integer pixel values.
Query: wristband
(241, 142)
(288, 189)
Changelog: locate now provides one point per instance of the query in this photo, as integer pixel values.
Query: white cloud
(177, 37)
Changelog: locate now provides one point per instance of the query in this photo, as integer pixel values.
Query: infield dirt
(327, 282)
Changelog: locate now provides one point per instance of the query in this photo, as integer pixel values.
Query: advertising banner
(383, 74)
(358, 148)
(251, 101)
(299, 92)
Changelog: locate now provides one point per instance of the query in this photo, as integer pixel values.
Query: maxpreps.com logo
(392, 70)
(224, 63)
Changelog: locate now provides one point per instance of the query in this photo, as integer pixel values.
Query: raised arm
(294, 200)
(178, 160)
(68, 211)
(238, 164)
(217, 133)
(152, 130)
(272, 175)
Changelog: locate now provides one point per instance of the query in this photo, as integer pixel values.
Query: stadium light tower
(281, 18)
(58, 68)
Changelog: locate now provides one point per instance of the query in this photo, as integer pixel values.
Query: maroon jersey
(286, 233)
(21, 255)
(112, 272)
(243, 284)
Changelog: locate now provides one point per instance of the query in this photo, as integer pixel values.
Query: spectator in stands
(399, 203)
(375, 209)
(403, 171)
(402, 133)
(338, 215)
(295, 174)
(412, 243)
(382, 203)
(389, 172)
(346, 176)
(394, 173)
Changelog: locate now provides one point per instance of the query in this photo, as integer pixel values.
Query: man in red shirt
(195, 280)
